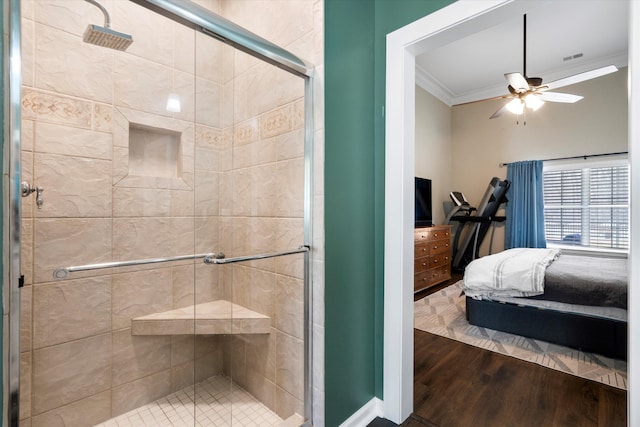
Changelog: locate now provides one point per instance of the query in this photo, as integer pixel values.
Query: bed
(575, 301)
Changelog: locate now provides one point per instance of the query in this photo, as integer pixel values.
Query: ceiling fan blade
(499, 111)
(482, 100)
(560, 97)
(577, 78)
(517, 81)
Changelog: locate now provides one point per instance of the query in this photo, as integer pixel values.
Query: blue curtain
(524, 226)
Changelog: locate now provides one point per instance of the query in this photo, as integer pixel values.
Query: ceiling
(472, 68)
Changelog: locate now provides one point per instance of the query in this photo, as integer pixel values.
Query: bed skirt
(592, 334)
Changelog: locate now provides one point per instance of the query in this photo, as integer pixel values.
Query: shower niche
(154, 152)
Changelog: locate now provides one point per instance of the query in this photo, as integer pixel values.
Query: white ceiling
(473, 68)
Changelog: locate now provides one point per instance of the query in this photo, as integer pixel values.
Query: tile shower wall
(266, 176)
(79, 363)
(78, 358)
(296, 25)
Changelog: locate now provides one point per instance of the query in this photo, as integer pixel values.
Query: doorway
(453, 22)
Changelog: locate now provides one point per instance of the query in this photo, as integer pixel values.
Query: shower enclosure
(160, 229)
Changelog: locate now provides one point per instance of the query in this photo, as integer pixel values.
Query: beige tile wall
(276, 365)
(266, 177)
(79, 362)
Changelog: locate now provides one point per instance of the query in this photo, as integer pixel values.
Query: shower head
(105, 36)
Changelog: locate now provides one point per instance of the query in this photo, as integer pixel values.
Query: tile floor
(213, 407)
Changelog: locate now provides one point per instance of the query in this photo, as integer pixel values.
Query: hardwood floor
(458, 385)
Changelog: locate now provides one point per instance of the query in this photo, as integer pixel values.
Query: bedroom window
(587, 207)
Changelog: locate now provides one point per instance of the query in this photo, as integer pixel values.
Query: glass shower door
(108, 249)
(250, 192)
(145, 163)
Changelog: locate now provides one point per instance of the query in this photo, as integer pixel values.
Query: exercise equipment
(474, 222)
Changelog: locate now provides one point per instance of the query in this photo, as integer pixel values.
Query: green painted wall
(349, 207)
(1, 204)
(355, 33)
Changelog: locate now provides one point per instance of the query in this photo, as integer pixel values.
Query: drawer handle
(446, 258)
(424, 264)
(424, 249)
(435, 235)
(435, 247)
(435, 261)
(446, 245)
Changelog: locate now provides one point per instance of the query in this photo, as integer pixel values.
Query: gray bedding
(586, 281)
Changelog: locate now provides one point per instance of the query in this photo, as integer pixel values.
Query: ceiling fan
(530, 92)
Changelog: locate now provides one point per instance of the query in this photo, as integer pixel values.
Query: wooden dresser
(432, 256)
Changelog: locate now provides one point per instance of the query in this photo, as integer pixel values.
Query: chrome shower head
(105, 36)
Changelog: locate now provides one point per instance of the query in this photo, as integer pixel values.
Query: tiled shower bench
(215, 317)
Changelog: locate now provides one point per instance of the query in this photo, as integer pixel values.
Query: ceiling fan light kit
(531, 93)
(533, 101)
(516, 106)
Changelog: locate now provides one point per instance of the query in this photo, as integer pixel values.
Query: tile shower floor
(213, 407)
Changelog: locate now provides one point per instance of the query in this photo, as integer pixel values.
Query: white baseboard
(366, 414)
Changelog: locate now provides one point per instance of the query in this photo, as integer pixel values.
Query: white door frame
(455, 21)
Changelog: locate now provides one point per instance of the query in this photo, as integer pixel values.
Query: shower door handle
(220, 259)
(27, 189)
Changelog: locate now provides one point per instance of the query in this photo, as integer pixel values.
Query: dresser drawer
(422, 264)
(431, 233)
(422, 280)
(442, 259)
(431, 248)
(431, 277)
(440, 247)
(441, 274)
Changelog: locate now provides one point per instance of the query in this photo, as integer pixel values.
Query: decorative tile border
(48, 107)
(276, 122)
(103, 118)
(246, 132)
(209, 137)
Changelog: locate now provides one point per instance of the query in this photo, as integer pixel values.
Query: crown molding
(427, 82)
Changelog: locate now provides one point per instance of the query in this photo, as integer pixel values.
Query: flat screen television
(424, 215)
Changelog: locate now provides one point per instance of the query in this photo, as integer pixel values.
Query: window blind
(587, 206)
